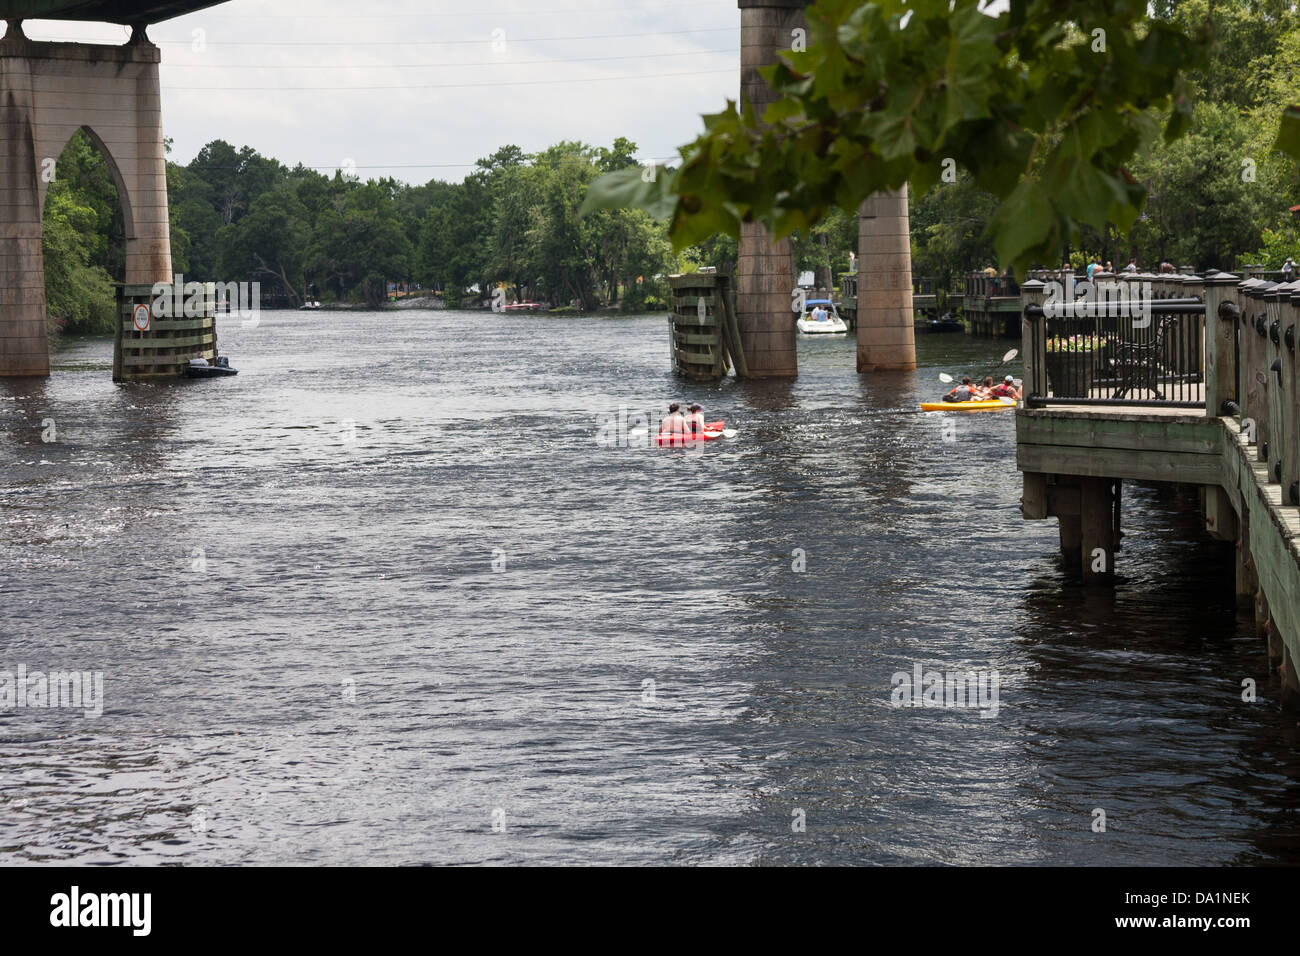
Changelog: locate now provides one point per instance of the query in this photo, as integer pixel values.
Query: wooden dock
(1202, 391)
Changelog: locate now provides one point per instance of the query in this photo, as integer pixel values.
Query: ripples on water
(287, 578)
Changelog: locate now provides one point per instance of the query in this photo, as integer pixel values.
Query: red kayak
(711, 431)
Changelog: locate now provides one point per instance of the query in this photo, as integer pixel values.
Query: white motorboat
(821, 318)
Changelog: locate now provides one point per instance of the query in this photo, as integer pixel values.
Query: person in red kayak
(695, 420)
(675, 423)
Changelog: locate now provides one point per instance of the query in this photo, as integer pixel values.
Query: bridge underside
(108, 11)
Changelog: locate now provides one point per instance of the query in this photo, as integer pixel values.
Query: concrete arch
(123, 195)
(48, 91)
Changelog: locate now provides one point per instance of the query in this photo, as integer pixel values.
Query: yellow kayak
(996, 405)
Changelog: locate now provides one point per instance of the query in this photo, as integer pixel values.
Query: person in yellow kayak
(984, 391)
(1007, 389)
(965, 392)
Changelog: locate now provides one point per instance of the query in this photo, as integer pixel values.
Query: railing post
(1276, 372)
(1192, 359)
(1288, 409)
(1245, 335)
(1256, 381)
(1220, 343)
(1033, 340)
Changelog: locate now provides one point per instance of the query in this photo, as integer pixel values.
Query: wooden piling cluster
(1241, 447)
(149, 346)
(704, 334)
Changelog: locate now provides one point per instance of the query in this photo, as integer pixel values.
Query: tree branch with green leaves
(1044, 105)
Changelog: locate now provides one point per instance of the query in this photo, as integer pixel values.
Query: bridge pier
(47, 92)
(765, 273)
(886, 327)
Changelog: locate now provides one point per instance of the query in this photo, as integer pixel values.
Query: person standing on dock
(1288, 269)
(1132, 266)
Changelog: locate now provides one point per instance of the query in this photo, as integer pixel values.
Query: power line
(735, 51)
(434, 86)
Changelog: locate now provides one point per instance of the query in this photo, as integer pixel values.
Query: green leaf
(1288, 134)
(1023, 222)
(648, 188)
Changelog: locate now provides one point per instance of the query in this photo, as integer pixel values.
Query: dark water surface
(287, 579)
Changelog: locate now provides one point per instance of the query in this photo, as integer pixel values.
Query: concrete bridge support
(47, 92)
(765, 275)
(765, 271)
(886, 328)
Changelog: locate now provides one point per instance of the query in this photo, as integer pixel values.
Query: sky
(420, 90)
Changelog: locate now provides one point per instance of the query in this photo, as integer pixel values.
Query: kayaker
(695, 420)
(1007, 389)
(675, 423)
(964, 392)
(984, 391)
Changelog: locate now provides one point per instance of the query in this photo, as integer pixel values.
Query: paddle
(948, 379)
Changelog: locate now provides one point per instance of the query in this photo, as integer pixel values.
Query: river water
(385, 598)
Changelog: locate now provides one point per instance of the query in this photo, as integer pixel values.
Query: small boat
(996, 405)
(831, 325)
(309, 306)
(711, 431)
(204, 370)
(945, 323)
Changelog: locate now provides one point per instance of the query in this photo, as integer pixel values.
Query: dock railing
(1130, 340)
(1260, 318)
(982, 285)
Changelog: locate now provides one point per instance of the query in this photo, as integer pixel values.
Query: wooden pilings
(150, 345)
(703, 331)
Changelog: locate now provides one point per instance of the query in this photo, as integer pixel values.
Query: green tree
(1041, 114)
(270, 242)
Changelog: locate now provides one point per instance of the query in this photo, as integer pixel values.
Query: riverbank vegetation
(1218, 196)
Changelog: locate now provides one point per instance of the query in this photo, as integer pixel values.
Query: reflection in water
(384, 588)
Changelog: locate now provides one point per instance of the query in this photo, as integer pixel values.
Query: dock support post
(1287, 671)
(1071, 541)
(1262, 622)
(1220, 519)
(1117, 499)
(1097, 527)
